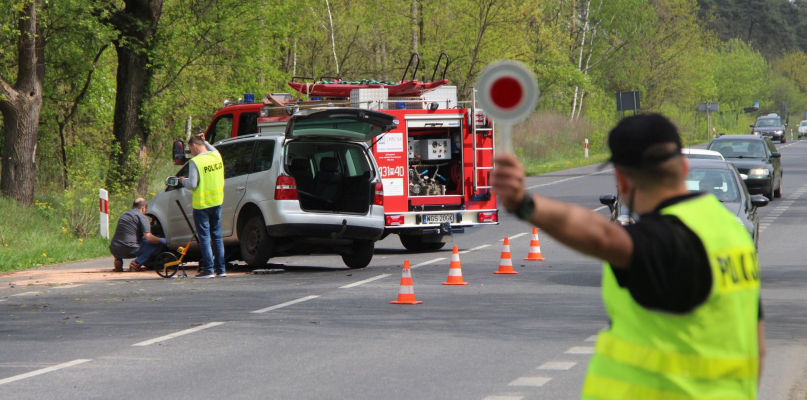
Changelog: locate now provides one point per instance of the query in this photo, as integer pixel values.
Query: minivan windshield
(719, 182)
(740, 148)
(769, 122)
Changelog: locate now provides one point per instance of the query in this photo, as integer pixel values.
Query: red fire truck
(435, 165)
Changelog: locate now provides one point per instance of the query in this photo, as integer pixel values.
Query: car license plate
(438, 218)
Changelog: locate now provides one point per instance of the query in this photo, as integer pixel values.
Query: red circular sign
(506, 92)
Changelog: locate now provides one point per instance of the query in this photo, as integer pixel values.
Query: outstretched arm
(577, 227)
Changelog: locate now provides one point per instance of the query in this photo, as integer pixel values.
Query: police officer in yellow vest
(206, 179)
(681, 285)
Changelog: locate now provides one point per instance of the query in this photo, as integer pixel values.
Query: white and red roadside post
(714, 133)
(103, 202)
(586, 148)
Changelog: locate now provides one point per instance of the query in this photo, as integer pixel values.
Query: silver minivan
(316, 189)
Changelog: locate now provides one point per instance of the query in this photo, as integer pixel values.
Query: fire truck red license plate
(436, 219)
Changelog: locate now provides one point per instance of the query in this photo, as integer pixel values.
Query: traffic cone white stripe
(506, 262)
(406, 290)
(454, 272)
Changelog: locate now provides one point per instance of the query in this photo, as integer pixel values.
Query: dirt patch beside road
(99, 269)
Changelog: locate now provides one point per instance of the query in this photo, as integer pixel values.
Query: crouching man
(133, 238)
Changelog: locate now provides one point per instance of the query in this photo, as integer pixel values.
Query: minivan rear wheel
(256, 244)
(362, 254)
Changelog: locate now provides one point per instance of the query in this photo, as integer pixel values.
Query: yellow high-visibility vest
(209, 192)
(709, 353)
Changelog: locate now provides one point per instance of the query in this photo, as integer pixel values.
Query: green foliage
(677, 53)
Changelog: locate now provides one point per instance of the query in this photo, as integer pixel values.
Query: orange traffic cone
(406, 294)
(535, 247)
(506, 264)
(455, 270)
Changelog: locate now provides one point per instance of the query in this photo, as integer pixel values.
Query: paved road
(321, 331)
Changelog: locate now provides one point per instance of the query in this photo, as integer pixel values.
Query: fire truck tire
(362, 254)
(416, 243)
(256, 244)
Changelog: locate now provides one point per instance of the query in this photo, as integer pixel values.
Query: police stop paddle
(508, 94)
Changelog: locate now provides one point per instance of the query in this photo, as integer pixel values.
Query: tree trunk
(414, 26)
(137, 23)
(20, 106)
(127, 126)
(20, 130)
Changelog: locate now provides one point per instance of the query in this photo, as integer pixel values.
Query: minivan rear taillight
(378, 196)
(286, 188)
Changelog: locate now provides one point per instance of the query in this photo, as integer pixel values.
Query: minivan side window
(357, 163)
(222, 128)
(247, 124)
(264, 156)
(237, 158)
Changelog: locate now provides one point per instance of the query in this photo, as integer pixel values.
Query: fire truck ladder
(491, 150)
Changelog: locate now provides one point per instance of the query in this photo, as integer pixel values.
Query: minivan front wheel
(361, 256)
(256, 244)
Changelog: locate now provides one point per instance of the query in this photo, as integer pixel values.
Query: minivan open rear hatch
(349, 124)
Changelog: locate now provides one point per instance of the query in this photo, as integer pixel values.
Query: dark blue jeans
(142, 253)
(208, 231)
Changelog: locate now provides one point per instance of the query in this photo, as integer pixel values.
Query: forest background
(99, 89)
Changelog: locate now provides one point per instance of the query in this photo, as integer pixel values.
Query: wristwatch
(526, 208)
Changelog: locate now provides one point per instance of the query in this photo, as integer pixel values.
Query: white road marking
(475, 248)
(557, 365)
(375, 278)
(580, 350)
(428, 262)
(288, 303)
(25, 294)
(530, 381)
(592, 338)
(599, 208)
(2, 300)
(515, 236)
(178, 334)
(43, 371)
(570, 179)
(503, 398)
(67, 286)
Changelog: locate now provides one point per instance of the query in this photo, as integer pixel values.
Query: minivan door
(237, 158)
(349, 124)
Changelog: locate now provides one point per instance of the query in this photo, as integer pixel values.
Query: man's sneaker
(221, 274)
(204, 275)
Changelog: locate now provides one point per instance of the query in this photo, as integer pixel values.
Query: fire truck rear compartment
(331, 176)
(435, 161)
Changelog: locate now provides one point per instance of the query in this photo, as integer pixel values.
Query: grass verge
(55, 228)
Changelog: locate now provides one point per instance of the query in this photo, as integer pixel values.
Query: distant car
(802, 128)
(720, 178)
(771, 126)
(701, 154)
(756, 157)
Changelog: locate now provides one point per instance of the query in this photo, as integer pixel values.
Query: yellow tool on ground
(168, 260)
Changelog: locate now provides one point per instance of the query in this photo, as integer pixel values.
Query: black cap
(632, 137)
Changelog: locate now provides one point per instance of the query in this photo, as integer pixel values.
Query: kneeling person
(133, 238)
